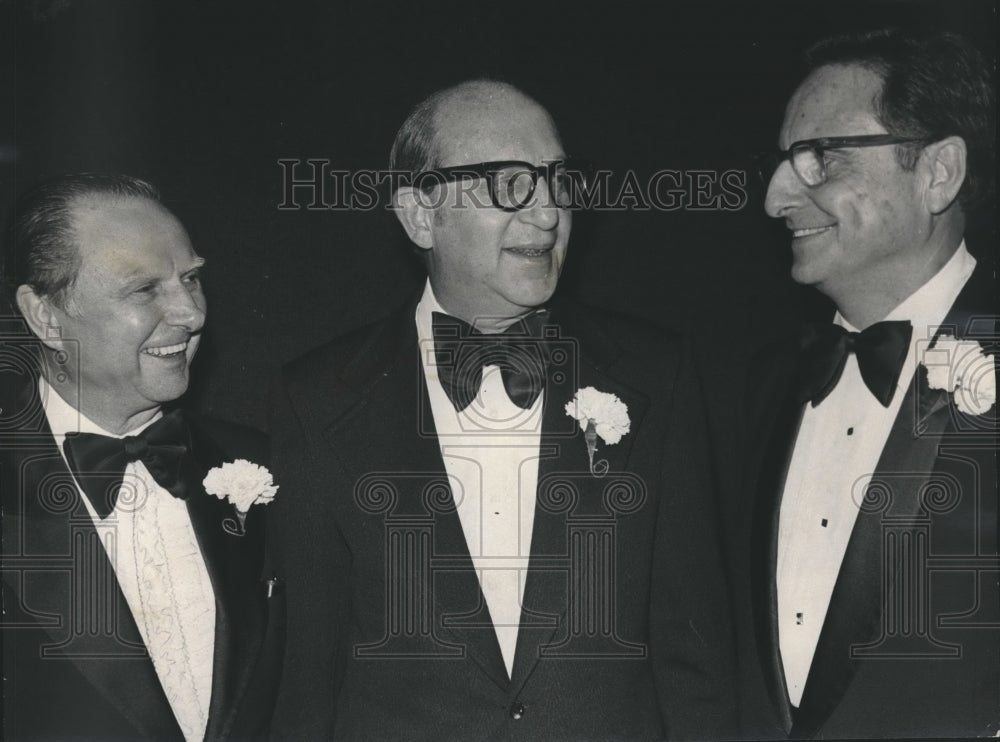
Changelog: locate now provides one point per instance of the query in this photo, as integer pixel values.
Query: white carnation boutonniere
(962, 369)
(244, 484)
(599, 414)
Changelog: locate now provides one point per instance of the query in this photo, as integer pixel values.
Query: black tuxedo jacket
(911, 643)
(74, 663)
(625, 626)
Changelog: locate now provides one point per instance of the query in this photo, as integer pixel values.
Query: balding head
(418, 144)
(491, 256)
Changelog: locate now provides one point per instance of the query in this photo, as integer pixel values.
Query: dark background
(204, 99)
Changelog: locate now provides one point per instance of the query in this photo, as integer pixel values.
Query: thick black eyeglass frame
(768, 162)
(489, 170)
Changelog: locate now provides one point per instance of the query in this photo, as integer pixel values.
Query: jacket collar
(854, 617)
(383, 380)
(48, 523)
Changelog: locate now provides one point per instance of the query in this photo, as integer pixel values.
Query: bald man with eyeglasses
(502, 524)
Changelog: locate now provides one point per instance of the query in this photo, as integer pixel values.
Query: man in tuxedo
(875, 573)
(133, 606)
(465, 558)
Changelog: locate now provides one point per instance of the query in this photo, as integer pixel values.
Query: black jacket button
(516, 710)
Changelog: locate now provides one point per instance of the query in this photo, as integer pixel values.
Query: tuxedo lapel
(855, 614)
(52, 532)
(855, 618)
(567, 491)
(543, 604)
(381, 429)
(385, 382)
(855, 606)
(54, 535)
(764, 554)
(233, 564)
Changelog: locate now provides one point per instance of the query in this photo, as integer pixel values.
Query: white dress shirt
(153, 549)
(490, 452)
(837, 449)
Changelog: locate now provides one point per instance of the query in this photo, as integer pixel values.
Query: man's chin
(529, 295)
(162, 391)
(806, 272)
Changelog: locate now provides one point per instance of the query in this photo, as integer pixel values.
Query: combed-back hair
(934, 85)
(40, 248)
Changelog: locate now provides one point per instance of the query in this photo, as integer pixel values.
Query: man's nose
(541, 210)
(784, 191)
(185, 307)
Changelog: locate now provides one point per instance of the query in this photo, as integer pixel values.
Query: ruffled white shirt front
(154, 551)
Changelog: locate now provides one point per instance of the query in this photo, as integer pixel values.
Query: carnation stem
(235, 527)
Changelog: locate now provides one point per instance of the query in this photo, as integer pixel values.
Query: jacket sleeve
(313, 562)
(691, 626)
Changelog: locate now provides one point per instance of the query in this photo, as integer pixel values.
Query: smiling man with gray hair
(133, 607)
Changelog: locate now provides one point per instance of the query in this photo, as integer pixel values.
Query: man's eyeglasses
(512, 183)
(807, 160)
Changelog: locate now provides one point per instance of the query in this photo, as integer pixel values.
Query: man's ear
(41, 316)
(416, 216)
(945, 162)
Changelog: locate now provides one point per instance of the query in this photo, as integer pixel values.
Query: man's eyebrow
(141, 276)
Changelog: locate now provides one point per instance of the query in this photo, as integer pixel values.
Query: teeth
(530, 252)
(807, 232)
(166, 350)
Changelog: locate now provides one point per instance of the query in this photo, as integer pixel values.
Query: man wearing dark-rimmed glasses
(468, 555)
(511, 184)
(873, 557)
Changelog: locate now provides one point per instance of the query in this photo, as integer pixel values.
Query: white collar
(65, 418)
(928, 305)
(425, 310)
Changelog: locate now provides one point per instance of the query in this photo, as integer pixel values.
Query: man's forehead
(111, 216)
(124, 230)
(833, 101)
(505, 125)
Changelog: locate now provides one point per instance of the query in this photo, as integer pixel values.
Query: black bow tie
(98, 461)
(461, 351)
(881, 350)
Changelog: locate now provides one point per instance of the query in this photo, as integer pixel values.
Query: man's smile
(530, 251)
(162, 351)
(807, 231)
